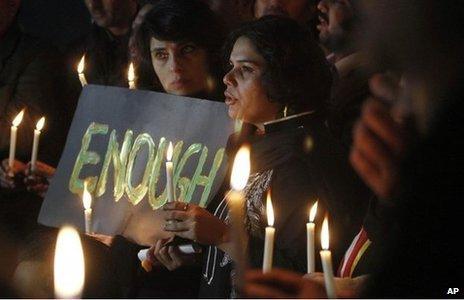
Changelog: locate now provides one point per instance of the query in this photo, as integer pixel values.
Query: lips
(230, 100)
(178, 83)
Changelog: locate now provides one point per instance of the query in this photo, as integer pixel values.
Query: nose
(175, 64)
(229, 79)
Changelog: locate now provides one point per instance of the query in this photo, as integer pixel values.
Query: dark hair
(177, 21)
(297, 74)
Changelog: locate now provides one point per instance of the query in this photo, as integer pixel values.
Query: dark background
(59, 21)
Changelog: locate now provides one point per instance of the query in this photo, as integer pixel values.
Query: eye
(160, 54)
(188, 49)
(246, 69)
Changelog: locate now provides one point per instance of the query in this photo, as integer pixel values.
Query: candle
(169, 171)
(80, 70)
(131, 76)
(14, 128)
(87, 201)
(35, 144)
(326, 258)
(310, 239)
(236, 202)
(269, 237)
(69, 269)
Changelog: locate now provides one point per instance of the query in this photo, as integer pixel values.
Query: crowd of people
(352, 103)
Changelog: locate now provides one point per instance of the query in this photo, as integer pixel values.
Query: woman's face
(182, 68)
(245, 94)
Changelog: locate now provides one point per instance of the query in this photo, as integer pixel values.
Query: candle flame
(170, 151)
(131, 73)
(40, 124)
(86, 197)
(19, 117)
(269, 210)
(80, 66)
(69, 269)
(312, 212)
(240, 169)
(325, 234)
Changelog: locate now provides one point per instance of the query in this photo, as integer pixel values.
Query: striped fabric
(354, 253)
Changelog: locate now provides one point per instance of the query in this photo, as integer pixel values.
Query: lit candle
(169, 171)
(14, 128)
(310, 239)
(80, 70)
(87, 201)
(69, 269)
(326, 258)
(236, 202)
(131, 76)
(35, 144)
(269, 237)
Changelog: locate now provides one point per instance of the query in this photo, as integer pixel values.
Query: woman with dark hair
(177, 50)
(277, 84)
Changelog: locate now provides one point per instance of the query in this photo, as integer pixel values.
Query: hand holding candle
(80, 70)
(310, 238)
(131, 76)
(87, 201)
(326, 257)
(236, 202)
(269, 237)
(35, 144)
(13, 135)
(69, 269)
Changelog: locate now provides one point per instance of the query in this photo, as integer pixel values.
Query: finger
(379, 121)
(384, 87)
(371, 146)
(159, 255)
(366, 169)
(165, 258)
(176, 226)
(5, 164)
(175, 215)
(265, 291)
(175, 205)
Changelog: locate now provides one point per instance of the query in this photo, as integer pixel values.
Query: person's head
(8, 11)
(299, 10)
(114, 15)
(178, 48)
(274, 63)
(336, 24)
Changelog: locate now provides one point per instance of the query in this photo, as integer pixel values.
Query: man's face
(8, 10)
(110, 13)
(334, 15)
(298, 10)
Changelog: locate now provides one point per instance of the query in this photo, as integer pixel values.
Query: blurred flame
(312, 212)
(269, 210)
(130, 73)
(69, 264)
(19, 117)
(170, 151)
(80, 67)
(86, 197)
(40, 124)
(240, 169)
(325, 234)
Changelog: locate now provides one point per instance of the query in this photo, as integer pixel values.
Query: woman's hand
(105, 239)
(7, 176)
(38, 181)
(195, 223)
(169, 256)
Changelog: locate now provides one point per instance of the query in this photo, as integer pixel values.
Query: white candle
(69, 267)
(269, 236)
(236, 202)
(310, 239)
(80, 70)
(169, 172)
(13, 135)
(326, 258)
(87, 201)
(131, 76)
(35, 144)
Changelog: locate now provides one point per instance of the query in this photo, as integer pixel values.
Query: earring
(285, 111)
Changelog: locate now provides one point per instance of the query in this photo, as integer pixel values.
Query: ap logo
(452, 291)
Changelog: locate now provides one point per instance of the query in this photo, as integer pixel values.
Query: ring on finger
(186, 205)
